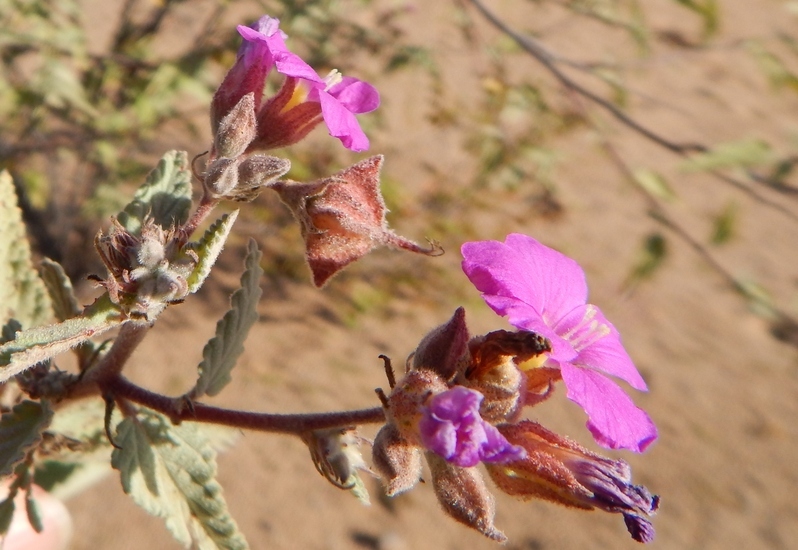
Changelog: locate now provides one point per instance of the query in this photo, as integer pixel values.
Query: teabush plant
(458, 403)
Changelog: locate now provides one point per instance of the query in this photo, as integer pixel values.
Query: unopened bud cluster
(147, 269)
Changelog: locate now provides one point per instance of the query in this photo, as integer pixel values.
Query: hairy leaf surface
(170, 472)
(222, 351)
(165, 195)
(22, 294)
(21, 429)
(41, 343)
(208, 249)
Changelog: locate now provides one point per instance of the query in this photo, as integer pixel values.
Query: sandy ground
(724, 392)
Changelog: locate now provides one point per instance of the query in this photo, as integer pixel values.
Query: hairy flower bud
(463, 495)
(221, 178)
(236, 130)
(396, 460)
(563, 471)
(343, 218)
(493, 371)
(145, 270)
(408, 400)
(243, 179)
(336, 455)
(257, 172)
(442, 350)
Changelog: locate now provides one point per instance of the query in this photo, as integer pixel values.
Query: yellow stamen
(535, 362)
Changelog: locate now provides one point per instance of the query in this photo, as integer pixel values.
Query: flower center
(587, 331)
(334, 77)
(299, 95)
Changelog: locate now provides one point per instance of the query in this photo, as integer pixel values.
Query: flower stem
(130, 336)
(179, 410)
(205, 207)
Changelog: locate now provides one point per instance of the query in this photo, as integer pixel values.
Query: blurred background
(654, 142)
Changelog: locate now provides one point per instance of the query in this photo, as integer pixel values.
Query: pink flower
(545, 292)
(303, 102)
(263, 45)
(452, 428)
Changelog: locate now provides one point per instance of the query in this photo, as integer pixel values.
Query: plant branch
(111, 364)
(551, 61)
(179, 410)
(781, 322)
(548, 60)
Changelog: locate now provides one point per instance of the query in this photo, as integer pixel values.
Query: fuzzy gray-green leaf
(41, 343)
(59, 287)
(6, 514)
(22, 294)
(33, 511)
(20, 430)
(165, 195)
(208, 249)
(170, 472)
(222, 351)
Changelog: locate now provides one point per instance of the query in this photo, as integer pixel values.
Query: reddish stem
(205, 207)
(276, 423)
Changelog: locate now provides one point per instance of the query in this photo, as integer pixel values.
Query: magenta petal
(290, 64)
(598, 344)
(520, 315)
(549, 282)
(497, 449)
(342, 123)
(613, 419)
(357, 96)
(452, 428)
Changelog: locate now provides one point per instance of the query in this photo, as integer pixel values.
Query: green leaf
(222, 351)
(654, 184)
(208, 249)
(22, 294)
(745, 153)
(20, 430)
(170, 472)
(779, 75)
(33, 511)
(7, 508)
(723, 227)
(59, 288)
(708, 11)
(41, 343)
(650, 258)
(66, 305)
(165, 195)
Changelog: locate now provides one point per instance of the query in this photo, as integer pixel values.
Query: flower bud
(221, 178)
(343, 218)
(396, 460)
(145, 270)
(493, 371)
(463, 495)
(336, 455)
(408, 400)
(236, 130)
(257, 172)
(563, 471)
(443, 349)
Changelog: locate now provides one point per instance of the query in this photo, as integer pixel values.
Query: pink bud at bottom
(396, 460)
(463, 495)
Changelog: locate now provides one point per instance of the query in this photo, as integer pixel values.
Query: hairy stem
(130, 336)
(204, 208)
(179, 410)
